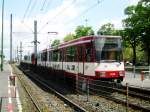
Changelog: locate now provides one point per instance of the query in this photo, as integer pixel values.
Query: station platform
(137, 80)
(8, 96)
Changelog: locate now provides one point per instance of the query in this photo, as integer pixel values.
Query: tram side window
(55, 56)
(80, 53)
(25, 58)
(71, 54)
(88, 53)
(50, 55)
(38, 57)
(44, 56)
(61, 55)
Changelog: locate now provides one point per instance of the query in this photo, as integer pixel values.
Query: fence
(90, 91)
(137, 68)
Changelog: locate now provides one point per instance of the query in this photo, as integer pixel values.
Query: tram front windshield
(108, 50)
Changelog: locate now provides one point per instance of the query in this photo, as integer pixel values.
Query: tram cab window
(112, 55)
(108, 49)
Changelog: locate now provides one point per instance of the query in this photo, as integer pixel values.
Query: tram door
(89, 66)
(81, 60)
(81, 81)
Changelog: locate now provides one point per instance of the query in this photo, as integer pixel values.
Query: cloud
(133, 2)
(116, 21)
(52, 21)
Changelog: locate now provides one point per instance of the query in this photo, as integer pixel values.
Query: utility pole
(86, 20)
(11, 38)
(17, 54)
(35, 41)
(2, 36)
(20, 51)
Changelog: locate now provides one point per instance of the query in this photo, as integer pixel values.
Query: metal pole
(35, 41)
(11, 38)
(149, 70)
(17, 54)
(127, 94)
(1, 99)
(134, 70)
(87, 90)
(2, 36)
(86, 20)
(20, 51)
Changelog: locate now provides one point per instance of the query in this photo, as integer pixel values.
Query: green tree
(143, 13)
(69, 37)
(83, 31)
(137, 27)
(106, 29)
(131, 32)
(55, 42)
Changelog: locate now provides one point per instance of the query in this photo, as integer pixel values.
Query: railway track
(119, 96)
(132, 94)
(136, 98)
(66, 101)
(34, 102)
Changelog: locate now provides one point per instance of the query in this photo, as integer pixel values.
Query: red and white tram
(97, 57)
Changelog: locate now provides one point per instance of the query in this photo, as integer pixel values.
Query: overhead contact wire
(59, 13)
(85, 11)
(29, 4)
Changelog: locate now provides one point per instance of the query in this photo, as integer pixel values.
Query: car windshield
(108, 49)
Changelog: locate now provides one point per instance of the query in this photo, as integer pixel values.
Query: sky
(61, 16)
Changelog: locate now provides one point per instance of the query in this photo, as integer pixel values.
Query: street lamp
(2, 36)
(54, 33)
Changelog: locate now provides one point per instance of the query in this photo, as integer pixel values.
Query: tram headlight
(101, 74)
(121, 73)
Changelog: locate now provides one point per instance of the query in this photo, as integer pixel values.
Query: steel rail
(136, 106)
(29, 94)
(62, 97)
(124, 102)
(135, 92)
(117, 100)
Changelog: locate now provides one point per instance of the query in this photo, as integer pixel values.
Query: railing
(137, 67)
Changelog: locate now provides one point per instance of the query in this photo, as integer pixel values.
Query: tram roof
(81, 40)
(85, 39)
